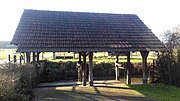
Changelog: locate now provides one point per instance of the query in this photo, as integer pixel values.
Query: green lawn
(159, 92)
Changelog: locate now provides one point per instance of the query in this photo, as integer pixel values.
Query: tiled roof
(50, 31)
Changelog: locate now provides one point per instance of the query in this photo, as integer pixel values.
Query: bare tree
(172, 40)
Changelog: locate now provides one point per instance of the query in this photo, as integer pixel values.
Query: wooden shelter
(85, 33)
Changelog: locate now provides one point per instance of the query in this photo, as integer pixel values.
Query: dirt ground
(106, 90)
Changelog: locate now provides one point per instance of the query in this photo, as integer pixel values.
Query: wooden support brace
(144, 55)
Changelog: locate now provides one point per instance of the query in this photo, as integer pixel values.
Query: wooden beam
(144, 55)
(91, 68)
(128, 74)
(116, 68)
(84, 54)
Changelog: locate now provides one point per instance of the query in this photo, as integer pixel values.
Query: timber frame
(84, 33)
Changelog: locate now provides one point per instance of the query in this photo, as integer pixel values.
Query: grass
(98, 57)
(159, 92)
(5, 52)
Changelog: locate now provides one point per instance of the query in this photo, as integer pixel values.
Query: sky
(158, 15)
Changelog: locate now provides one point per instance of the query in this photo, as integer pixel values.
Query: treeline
(6, 45)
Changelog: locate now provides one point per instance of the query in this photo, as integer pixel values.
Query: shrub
(104, 69)
(54, 71)
(168, 75)
(16, 82)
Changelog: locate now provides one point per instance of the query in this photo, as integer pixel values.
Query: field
(98, 57)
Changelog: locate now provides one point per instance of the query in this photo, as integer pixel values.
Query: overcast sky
(158, 15)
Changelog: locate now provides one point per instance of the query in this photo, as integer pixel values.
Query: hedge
(54, 71)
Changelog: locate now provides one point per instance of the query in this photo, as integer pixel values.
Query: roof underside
(51, 31)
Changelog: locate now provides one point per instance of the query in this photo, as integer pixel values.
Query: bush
(104, 69)
(16, 82)
(168, 75)
(54, 71)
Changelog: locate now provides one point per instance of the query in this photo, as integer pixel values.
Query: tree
(168, 64)
(171, 39)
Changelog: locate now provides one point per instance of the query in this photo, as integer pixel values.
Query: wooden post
(14, 58)
(37, 56)
(152, 74)
(116, 68)
(9, 57)
(20, 59)
(28, 57)
(128, 75)
(80, 69)
(34, 56)
(84, 54)
(54, 55)
(91, 68)
(42, 55)
(24, 58)
(144, 55)
(74, 55)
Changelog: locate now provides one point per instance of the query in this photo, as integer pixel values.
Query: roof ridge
(78, 12)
